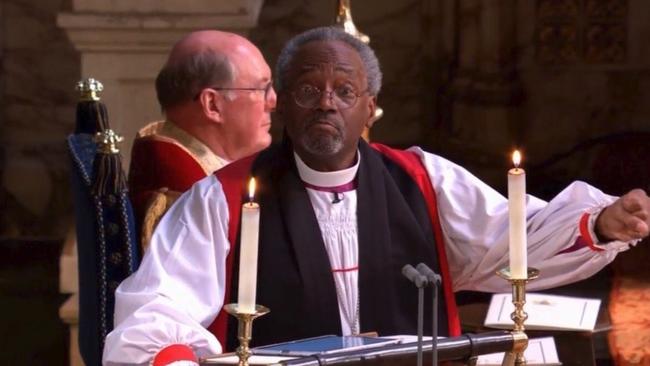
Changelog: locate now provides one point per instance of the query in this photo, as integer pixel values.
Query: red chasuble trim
(412, 164)
(351, 269)
(156, 164)
(586, 234)
(231, 178)
(173, 353)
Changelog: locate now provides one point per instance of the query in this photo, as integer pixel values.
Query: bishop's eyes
(341, 91)
(308, 90)
(309, 96)
(345, 91)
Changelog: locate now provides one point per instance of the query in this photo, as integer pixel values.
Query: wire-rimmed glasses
(308, 96)
(266, 89)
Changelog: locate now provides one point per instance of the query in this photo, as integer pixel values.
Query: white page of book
(545, 312)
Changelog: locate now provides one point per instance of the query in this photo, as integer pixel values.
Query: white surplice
(179, 287)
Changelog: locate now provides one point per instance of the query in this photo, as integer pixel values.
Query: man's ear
(372, 108)
(212, 104)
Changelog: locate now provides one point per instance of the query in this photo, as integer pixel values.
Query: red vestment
(165, 156)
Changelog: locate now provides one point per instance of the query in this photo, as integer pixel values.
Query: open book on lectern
(274, 354)
(545, 312)
(322, 345)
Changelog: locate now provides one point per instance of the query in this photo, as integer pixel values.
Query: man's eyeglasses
(308, 96)
(266, 89)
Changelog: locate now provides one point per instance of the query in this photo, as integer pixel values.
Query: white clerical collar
(326, 179)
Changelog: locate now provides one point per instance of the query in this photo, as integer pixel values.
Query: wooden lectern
(455, 350)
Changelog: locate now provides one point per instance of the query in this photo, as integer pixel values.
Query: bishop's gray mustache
(323, 118)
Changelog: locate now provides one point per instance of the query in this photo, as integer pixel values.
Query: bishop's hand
(628, 218)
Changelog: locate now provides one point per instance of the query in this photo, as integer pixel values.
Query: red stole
(412, 164)
(157, 163)
(233, 179)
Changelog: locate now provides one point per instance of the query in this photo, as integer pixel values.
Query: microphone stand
(434, 279)
(420, 282)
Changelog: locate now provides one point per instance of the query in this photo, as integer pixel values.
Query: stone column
(124, 43)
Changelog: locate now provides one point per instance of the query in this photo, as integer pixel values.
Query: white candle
(250, 224)
(517, 211)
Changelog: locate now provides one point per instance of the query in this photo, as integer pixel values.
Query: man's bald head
(199, 60)
(207, 40)
(216, 86)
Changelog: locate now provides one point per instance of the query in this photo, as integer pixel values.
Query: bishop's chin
(322, 144)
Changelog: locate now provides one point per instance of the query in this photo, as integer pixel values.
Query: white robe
(179, 288)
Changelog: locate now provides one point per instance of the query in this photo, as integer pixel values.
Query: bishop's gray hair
(368, 57)
(182, 80)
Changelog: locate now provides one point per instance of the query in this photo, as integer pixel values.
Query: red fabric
(585, 234)
(412, 164)
(232, 176)
(579, 244)
(173, 353)
(233, 181)
(158, 163)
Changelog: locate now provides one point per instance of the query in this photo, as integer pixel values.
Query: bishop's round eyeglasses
(308, 96)
(266, 89)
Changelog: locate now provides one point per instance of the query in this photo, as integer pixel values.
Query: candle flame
(251, 189)
(516, 158)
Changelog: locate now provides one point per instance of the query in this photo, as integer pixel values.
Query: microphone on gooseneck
(420, 282)
(427, 272)
(414, 276)
(434, 279)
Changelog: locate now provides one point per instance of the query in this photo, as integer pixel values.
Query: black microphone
(420, 281)
(337, 198)
(434, 279)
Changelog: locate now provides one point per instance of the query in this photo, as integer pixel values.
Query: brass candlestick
(519, 316)
(344, 20)
(244, 329)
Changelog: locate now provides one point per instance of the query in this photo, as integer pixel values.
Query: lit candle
(250, 224)
(517, 211)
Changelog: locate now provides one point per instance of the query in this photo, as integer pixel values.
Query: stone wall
(473, 79)
(586, 70)
(470, 79)
(39, 71)
(123, 44)
(405, 36)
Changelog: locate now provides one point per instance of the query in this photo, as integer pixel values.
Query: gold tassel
(154, 211)
(109, 176)
(92, 117)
